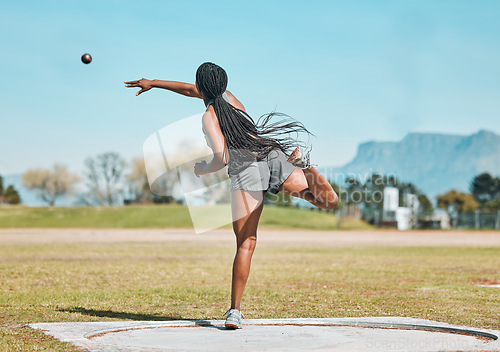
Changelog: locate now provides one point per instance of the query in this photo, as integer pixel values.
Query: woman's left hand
(144, 84)
(199, 168)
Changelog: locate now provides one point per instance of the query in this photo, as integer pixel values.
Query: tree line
(104, 179)
(370, 193)
(110, 180)
(484, 195)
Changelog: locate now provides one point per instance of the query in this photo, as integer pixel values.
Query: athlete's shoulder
(234, 101)
(209, 117)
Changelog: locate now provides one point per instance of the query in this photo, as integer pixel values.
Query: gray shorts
(265, 175)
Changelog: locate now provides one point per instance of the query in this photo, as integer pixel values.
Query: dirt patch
(305, 237)
(486, 282)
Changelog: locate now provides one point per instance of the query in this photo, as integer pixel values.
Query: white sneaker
(233, 319)
(297, 160)
(296, 154)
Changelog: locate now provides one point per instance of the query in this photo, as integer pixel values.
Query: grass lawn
(188, 279)
(157, 216)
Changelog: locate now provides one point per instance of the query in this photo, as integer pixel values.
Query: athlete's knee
(248, 244)
(331, 200)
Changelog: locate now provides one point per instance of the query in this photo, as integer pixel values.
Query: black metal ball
(86, 58)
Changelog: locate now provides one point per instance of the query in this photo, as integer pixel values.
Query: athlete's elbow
(219, 160)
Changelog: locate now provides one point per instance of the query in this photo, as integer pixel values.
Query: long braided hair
(238, 128)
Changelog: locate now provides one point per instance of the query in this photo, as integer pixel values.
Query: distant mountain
(435, 163)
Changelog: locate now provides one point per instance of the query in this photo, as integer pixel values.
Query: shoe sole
(230, 326)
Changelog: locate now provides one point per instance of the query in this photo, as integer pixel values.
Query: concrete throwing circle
(348, 334)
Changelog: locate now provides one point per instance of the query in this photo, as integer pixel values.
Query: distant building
(442, 217)
(391, 199)
(403, 218)
(411, 201)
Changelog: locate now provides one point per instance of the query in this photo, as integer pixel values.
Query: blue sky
(351, 71)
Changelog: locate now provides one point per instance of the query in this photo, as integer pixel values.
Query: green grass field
(190, 279)
(157, 216)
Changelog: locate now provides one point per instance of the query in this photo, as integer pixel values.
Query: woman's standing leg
(246, 207)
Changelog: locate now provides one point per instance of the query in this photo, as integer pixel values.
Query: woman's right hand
(199, 168)
(143, 83)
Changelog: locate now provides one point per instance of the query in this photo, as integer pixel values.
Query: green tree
(426, 206)
(495, 204)
(354, 191)
(1, 186)
(461, 202)
(485, 188)
(11, 196)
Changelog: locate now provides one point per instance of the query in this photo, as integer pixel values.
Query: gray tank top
(224, 96)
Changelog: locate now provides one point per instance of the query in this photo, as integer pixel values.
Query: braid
(238, 128)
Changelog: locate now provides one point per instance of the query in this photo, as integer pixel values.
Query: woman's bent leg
(310, 185)
(246, 207)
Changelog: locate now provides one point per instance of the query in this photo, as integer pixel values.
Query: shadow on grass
(118, 315)
(135, 316)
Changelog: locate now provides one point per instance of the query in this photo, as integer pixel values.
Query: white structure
(403, 217)
(443, 218)
(411, 201)
(391, 199)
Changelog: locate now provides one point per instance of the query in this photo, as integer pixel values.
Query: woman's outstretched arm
(186, 89)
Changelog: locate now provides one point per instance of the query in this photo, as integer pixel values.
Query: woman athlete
(260, 158)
